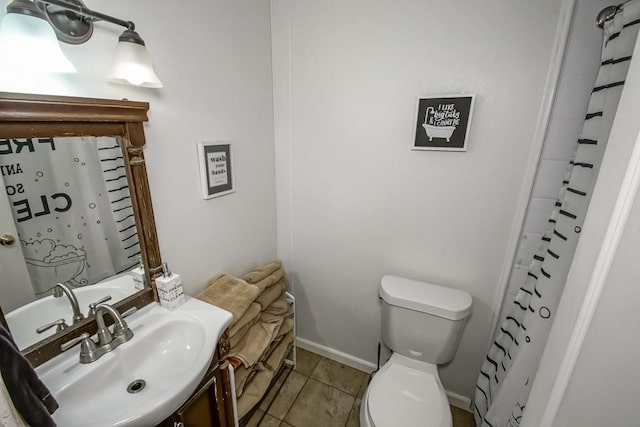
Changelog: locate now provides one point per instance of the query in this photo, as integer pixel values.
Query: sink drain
(136, 386)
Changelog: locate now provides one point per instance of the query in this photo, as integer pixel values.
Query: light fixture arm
(89, 13)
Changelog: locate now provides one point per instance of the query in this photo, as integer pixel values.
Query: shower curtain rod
(608, 13)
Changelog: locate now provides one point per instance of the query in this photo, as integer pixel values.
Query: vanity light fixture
(27, 41)
(29, 29)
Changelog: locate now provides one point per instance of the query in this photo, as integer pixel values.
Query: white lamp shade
(133, 66)
(29, 44)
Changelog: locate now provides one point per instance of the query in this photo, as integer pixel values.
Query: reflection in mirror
(74, 221)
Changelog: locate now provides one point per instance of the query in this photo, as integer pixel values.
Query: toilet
(422, 325)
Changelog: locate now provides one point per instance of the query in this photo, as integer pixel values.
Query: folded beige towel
(270, 279)
(253, 391)
(236, 338)
(287, 326)
(285, 329)
(256, 341)
(242, 377)
(252, 313)
(230, 293)
(262, 271)
(257, 386)
(269, 295)
(274, 362)
(279, 307)
(272, 318)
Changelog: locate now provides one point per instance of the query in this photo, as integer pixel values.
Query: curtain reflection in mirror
(70, 201)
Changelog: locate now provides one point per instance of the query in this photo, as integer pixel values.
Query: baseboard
(459, 401)
(338, 356)
(455, 399)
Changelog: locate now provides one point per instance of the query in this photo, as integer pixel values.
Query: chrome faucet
(90, 351)
(121, 331)
(61, 288)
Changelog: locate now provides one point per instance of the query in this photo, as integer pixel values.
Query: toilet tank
(423, 321)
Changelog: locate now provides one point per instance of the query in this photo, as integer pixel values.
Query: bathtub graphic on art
(49, 263)
(439, 130)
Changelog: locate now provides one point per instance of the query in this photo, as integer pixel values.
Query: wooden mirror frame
(34, 116)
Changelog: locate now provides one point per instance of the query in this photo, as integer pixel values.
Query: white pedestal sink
(170, 351)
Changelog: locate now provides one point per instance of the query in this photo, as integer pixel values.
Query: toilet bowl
(405, 392)
(422, 324)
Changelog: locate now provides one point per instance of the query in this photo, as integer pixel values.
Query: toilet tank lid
(453, 304)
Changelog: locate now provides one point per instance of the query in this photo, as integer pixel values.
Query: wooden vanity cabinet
(211, 404)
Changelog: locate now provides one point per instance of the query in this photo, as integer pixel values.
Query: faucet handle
(88, 350)
(92, 306)
(129, 312)
(60, 323)
(85, 338)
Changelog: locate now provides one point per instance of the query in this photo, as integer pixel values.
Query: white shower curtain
(70, 202)
(511, 364)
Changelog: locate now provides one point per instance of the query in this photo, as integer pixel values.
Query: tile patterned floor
(322, 393)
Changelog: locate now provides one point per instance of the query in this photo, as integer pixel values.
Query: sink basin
(170, 351)
(24, 321)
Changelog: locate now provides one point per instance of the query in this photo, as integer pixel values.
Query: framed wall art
(216, 169)
(443, 122)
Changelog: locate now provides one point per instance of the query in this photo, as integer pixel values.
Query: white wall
(354, 202)
(605, 386)
(579, 71)
(214, 58)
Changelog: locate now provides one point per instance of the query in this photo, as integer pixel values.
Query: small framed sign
(216, 171)
(443, 122)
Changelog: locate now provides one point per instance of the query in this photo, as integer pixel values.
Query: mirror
(75, 181)
(72, 213)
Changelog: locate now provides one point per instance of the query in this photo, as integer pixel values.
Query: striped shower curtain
(511, 364)
(71, 204)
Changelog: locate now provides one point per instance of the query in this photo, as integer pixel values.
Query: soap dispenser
(170, 291)
(138, 276)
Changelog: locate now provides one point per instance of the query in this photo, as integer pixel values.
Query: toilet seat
(402, 394)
